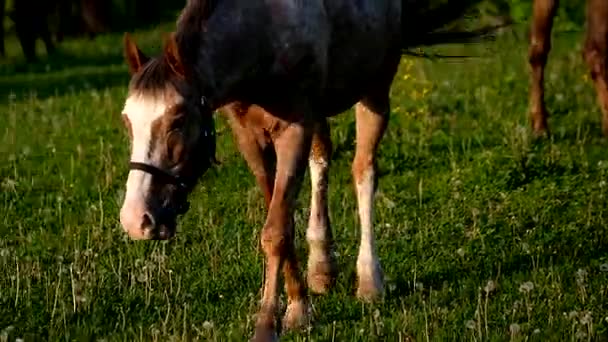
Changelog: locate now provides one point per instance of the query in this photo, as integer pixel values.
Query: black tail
(428, 22)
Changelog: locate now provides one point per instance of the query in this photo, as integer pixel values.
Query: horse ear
(172, 55)
(135, 58)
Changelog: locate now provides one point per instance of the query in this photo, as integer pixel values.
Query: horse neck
(222, 56)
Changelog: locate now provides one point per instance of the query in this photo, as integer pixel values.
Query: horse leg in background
(372, 117)
(321, 271)
(2, 12)
(595, 53)
(45, 34)
(24, 25)
(540, 45)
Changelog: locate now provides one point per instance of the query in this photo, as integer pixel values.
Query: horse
(594, 53)
(277, 69)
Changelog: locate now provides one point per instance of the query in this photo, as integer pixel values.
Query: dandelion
(207, 325)
(580, 335)
(586, 319)
(604, 267)
(526, 287)
(460, 252)
(514, 329)
(9, 184)
(470, 324)
(581, 277)
(490, 287)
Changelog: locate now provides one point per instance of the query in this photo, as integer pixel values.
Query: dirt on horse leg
(322, 267)
(540, 45)
(596, 54)
(277, 237)
(372, 118)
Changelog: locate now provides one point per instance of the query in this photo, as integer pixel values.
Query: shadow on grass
(50, 84)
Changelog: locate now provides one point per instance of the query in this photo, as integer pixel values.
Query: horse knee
(275, 239)
(595, 58)
(538, 52)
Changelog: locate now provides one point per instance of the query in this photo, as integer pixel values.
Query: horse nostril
(148, 221)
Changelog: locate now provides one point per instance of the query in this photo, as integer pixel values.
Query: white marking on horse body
(141, 111)
(368, 265)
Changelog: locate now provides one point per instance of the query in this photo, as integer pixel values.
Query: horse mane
(195, 14)
(191, 25)
(157, 74)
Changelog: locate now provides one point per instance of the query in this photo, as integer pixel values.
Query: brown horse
(277, 69)
(595, 54)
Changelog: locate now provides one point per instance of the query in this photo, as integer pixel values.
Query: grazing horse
(594, 52)
(277, 69)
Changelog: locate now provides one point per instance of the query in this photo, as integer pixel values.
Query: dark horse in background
(277, 69)
(32, 22)
(595, 55)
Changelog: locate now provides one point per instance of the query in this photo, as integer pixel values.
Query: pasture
(484, 232)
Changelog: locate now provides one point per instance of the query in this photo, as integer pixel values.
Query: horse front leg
(322, 267)
(277, 237)
(372, 118)
(540, 45)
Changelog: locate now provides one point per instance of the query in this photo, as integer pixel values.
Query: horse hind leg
(372, 117)
(322, 268)
(595, 53)
(540, 45)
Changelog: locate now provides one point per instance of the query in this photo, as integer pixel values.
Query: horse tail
(426, 23)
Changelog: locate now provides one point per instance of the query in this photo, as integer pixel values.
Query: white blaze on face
(142, 111)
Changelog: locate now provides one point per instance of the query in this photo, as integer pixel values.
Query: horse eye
(178, 122)
(175, 147)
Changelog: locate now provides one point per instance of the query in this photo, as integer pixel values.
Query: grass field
(484, 232)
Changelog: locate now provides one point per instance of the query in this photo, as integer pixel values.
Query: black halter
(182, 205)
(162, 174)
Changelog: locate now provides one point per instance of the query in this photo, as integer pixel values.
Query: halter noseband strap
(162, 174)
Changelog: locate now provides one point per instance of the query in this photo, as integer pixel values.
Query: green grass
(484, 232)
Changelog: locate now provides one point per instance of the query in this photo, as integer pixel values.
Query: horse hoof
(540, 127)
(297, 316)
(370, 287)
(321, 276)
(264, 334)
